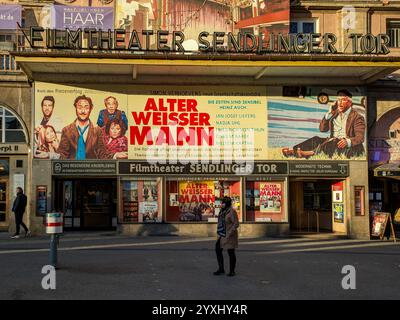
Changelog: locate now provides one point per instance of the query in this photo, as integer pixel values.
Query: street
(110, 266)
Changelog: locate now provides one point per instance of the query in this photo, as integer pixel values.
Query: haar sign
(73, 17)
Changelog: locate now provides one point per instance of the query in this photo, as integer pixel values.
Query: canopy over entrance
(151, 68)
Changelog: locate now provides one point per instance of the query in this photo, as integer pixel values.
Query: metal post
(53, 250)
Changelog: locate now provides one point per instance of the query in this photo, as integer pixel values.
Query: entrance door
(95, 201)
(3, 201)
(87, 203)
(311, 205)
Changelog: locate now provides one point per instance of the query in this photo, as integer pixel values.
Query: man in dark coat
(18, 208)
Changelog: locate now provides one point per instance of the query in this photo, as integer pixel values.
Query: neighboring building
(281, 97)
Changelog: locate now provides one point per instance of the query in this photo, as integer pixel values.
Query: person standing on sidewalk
(18, 208)
(228, 223)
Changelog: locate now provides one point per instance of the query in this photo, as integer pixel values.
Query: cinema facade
(149, 141)
(191, 129)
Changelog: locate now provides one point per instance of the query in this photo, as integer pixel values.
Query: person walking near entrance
(18, 208)
(228, 223)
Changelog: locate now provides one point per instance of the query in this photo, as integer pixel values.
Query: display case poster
(68, 198)
(196, 200)
(337, 192)
(41, 201)
(338, 212)
(173, 200)
(149, 211)
(130, 201)
(270, 197)
(396, 219)
(379, 223)
(359, 200)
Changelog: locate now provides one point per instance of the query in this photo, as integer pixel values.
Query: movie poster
(196, 200)
(198, 123)
(148, 211)
(130, 203)
(338, 212)
(73, 123)
(270, 197)
(379, 223)
(306, 124)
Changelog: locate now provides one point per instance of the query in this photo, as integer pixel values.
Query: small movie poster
(270, 197)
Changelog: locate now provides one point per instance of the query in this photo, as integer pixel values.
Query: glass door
(96, 203)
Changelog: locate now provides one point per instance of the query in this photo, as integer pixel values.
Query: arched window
(11, 129)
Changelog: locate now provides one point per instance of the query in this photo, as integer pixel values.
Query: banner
(270, 197)
(75, 17)
(201, 124)
(10, 15)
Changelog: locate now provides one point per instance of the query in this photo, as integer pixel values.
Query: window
(199, 199)
(7, 62)
(5, 37)
(140, 200)
(11, 129)
(7, 42)
(246, 12)
(393, 30)
(303, 26)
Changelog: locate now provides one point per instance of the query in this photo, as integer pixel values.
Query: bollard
(54, 226)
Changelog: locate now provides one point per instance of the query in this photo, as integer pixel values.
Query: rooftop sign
(216, 42)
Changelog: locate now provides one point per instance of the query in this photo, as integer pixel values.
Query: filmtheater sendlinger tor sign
(217, 42)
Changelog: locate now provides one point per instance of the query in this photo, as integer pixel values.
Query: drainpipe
(369, 16)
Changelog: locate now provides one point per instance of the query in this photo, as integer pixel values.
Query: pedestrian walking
(18, 208)
(227, 232)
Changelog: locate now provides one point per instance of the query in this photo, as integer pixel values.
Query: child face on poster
(50, 135)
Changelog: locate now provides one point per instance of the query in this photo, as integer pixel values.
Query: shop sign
(76, 17)
(13, 149)
(325, 168)
(259, 168)
(84, 167)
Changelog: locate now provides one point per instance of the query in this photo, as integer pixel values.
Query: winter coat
(231, 241)
(19, 204)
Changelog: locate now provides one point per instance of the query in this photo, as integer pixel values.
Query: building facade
(148, 140)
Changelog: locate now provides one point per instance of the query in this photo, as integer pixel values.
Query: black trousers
(18, 222)
(220, 257)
